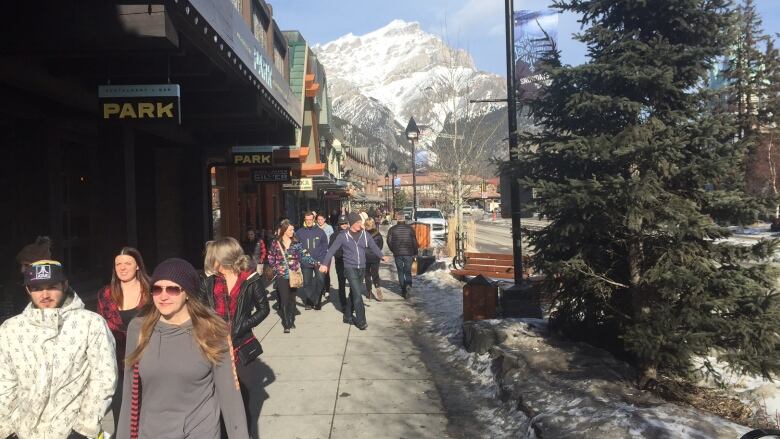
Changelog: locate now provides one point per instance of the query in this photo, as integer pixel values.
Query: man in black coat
(338, 259)
(402, 241)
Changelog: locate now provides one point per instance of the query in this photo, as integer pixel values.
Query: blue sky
(474, 25)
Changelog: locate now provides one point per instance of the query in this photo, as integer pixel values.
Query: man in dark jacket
(338, 259)
(354, 242)
(402, 241)
(315, 241)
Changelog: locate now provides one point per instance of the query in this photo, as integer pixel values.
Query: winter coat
(109, 310)
(294, 255)
(181, 392)
(401, 240)
(339, 253)
(354, 249)
(57, 372)
(251, 295)
(328, 229)
(315, 241)
(370, 257)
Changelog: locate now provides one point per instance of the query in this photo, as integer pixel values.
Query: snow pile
(549, 387)
(472, 385)
(758, 393)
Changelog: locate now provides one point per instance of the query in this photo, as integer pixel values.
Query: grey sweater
(182, 394)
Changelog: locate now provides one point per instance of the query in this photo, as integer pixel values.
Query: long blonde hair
(227, 252)
(210, 331)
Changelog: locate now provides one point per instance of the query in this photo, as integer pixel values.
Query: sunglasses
(171, 290)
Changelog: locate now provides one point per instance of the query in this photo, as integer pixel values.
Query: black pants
(253, 378)
(342, 280)
(286, 302)
(372, 277)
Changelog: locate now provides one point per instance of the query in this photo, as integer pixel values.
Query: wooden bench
(490, 265)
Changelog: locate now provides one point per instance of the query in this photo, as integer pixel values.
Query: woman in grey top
(179, 370)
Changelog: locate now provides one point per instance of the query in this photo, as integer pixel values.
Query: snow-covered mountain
(380, 79)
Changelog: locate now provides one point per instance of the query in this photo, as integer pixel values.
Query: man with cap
(354, 242)
(338, 258)
(57, 362)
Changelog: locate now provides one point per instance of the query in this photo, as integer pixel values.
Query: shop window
(278, 60)
(258, 29)
(237, 5)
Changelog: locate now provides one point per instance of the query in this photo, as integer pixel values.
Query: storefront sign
(253, 158)
(299, 184)
(158, 102)
(271, 175)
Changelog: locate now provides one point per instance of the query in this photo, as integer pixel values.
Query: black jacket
(339, 253)
(251, 295)
(401, 240)
(371, 258)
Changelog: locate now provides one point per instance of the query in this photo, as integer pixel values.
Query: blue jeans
(357, 288)
(403, 265)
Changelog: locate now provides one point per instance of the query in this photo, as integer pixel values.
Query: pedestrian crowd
(172, 355)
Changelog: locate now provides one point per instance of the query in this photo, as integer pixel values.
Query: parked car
(435, 218)
(471, 209)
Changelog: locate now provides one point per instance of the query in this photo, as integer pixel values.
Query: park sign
(147, 102)
(299, 184)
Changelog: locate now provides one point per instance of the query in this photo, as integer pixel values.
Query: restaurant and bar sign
(253, 158)
(271, 175)
(299, 184)
(155, 102)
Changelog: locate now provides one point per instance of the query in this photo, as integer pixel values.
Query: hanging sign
(253, 158)
(299, 184)
(271, 175)
(147, 102)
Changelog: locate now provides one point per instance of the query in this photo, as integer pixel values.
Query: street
(496, 237)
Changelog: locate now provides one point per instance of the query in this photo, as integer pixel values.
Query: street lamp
(413, 134)
(387, 195)
(393, 171)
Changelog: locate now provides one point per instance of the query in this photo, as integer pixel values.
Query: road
(496, 237)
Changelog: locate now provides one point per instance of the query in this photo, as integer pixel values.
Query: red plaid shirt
(224, 302)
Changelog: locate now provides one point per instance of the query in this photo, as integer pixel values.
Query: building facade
(124, 124)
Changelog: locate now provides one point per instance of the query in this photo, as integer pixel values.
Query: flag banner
(536, 32)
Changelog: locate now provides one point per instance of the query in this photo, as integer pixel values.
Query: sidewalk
(327, 379)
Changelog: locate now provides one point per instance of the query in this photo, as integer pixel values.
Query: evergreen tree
(632, 167)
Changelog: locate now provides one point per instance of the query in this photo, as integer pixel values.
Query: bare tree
(467, 134)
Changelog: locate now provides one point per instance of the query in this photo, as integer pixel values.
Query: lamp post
(413, 134)
(393, 172)
(387, 195)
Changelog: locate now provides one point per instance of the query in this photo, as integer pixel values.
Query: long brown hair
(281, 230)
(210, 331)
(140, 274)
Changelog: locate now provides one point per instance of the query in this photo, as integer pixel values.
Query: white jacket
(57, 372)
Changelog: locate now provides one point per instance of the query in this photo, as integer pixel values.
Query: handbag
(268, 272)
(249, 351)
(296, 277)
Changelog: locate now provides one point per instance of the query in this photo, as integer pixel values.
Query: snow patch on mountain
(397, 71)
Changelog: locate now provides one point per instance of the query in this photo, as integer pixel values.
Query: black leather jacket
(251, 295)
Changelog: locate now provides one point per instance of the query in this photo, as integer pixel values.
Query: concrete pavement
(330, 380)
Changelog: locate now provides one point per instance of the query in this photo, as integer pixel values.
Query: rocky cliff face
(378, 80)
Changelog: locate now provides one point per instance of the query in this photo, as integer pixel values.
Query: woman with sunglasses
(233, 290)
(119, 302)
(180, 369)
(285, 255)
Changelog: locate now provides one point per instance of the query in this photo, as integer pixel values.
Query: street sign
(253, 158)
(150, 102)
(299, 184)
(271, 175)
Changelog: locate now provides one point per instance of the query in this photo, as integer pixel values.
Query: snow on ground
(439, 297)
(576, 404)
(760, 394)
